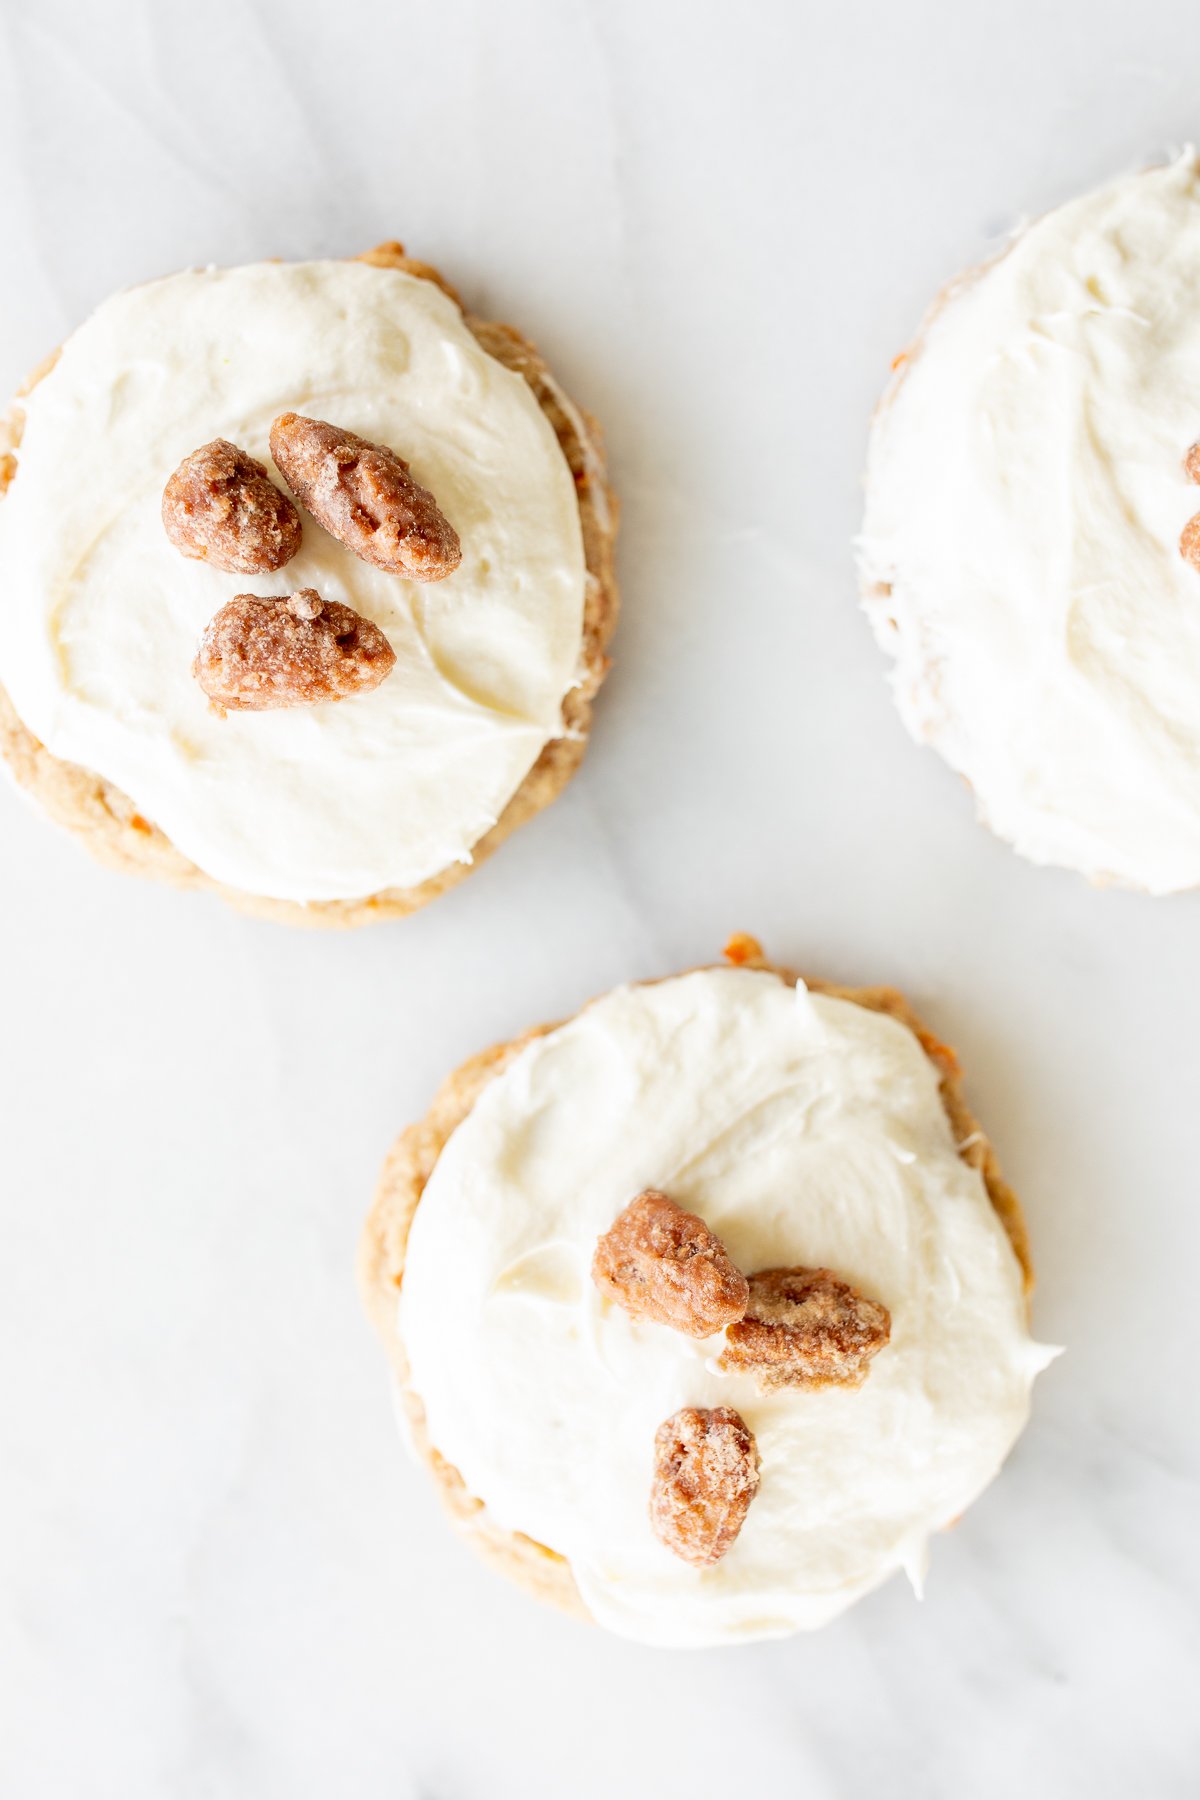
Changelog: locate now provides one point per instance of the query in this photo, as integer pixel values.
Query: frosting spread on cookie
(804, 1130)
(1026, 496)
(103, 615)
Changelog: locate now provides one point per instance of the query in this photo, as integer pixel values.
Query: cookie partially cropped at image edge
(1031, 547)
(307, 585)
(708, 1307)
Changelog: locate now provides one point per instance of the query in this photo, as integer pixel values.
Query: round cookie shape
(1021, 549)
(340, 812)
(805, 1127)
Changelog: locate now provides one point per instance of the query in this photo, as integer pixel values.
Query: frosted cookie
(307, 583)
(707, 1307)
(1026, 553)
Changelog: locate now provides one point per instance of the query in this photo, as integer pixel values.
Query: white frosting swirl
(1025, 501)
(804, 1130)
(102, 614)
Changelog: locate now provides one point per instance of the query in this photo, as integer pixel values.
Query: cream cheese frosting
(1020, 551)
(804, 1130)
(103, 615)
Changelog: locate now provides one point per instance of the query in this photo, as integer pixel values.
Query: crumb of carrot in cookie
(365, 496)
(943, 1055)
(805, 1328)
(289, 650)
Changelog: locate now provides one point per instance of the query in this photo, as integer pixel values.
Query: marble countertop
(219, 1575)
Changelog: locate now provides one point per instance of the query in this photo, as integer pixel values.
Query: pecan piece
(662, 1263)
(805, 1328)
(289, 651)
(705, 1476)
(222, 507)
(1189, 541)
(364, 495)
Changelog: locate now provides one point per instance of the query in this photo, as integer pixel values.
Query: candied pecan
(289, 651)
(662, 1263)
(943, 1057)
(1189, 542)
(364, 495)
(705, 1476)
(805, 1328)
(222, 507)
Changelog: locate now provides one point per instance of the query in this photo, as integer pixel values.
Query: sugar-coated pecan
(662, 1263)
(805, 1328)
(705, 1476)
(222, 507)
(1189, 540)
(365, 496)
(292, 650)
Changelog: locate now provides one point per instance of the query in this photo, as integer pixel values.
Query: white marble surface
(218, 1574)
